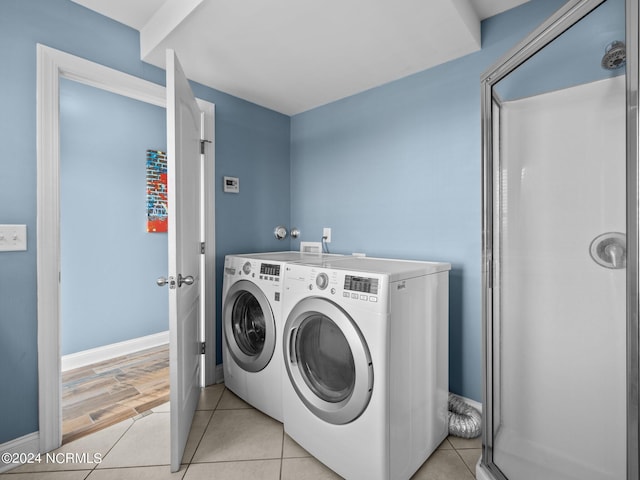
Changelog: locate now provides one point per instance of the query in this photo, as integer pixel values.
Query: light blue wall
(250, 146)
(396, 172)
(248, 139)
(109, 262)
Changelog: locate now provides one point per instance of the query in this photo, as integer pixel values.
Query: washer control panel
(271, 273)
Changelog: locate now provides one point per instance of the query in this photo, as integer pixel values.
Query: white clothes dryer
(365, 350)
(252, 326)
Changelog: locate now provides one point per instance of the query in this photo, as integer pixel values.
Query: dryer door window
(249, 326)
(328, 361)
(325, 359)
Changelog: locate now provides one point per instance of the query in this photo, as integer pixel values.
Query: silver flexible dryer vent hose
(464, 420)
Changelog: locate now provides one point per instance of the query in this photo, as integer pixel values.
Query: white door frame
(52, 65)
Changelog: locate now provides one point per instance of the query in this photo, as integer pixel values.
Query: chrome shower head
(615, 56)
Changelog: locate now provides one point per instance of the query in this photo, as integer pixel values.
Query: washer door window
(328, 361)
(249, 326)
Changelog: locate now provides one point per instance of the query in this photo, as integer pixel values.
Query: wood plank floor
(99, 395)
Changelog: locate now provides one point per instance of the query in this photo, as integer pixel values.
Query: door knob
(188, 280)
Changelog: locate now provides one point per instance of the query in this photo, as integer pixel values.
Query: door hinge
(202, 348)
(202, 248)
(202, 142)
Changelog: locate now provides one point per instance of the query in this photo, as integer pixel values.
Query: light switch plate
(13, 238)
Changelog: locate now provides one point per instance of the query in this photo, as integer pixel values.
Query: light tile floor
(229, 440)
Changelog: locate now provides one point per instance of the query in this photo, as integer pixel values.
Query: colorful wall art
(156, 191)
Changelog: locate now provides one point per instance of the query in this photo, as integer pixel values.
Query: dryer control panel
(361, 284)
(346, 287)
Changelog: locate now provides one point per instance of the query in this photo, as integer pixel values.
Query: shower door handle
(609, 250)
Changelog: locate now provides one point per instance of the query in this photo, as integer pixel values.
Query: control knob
(322, 280)
(246, 268)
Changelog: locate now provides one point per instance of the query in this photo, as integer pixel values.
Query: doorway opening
(110, 144)
(53, 66)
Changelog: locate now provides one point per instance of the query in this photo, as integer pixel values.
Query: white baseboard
(473, 403)
(26, 446)
(100, 354)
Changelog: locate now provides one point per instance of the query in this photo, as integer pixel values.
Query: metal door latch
(162, 281)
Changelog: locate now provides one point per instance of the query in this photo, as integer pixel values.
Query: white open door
(183, 185)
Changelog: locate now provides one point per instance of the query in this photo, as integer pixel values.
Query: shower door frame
(571, 13)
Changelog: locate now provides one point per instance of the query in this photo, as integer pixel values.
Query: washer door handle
(292, 346)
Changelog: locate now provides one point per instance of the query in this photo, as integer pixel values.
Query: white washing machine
(365, 350)
(252, 326)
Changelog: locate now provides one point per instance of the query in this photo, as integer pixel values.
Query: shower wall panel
(560, 410)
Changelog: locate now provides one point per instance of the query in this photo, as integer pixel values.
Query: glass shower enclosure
(560, 260)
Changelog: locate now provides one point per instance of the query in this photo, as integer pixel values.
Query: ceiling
(294, 55)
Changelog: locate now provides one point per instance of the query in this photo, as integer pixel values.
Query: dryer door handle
(292, 346)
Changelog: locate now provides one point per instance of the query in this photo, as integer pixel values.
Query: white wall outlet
(13, 238)
(326, 234)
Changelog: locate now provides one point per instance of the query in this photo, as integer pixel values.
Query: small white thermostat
(231, 185)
